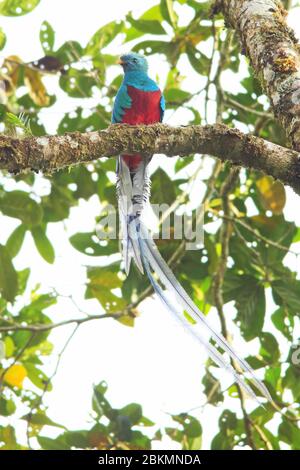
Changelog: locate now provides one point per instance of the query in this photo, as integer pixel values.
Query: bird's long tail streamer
(151, 258)
(191, 329)
(137, 243)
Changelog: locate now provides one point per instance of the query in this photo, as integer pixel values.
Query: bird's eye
(135, 60)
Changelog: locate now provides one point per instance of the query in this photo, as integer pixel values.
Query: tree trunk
(273, 51)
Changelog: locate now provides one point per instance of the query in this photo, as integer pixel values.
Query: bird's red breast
(144, 109)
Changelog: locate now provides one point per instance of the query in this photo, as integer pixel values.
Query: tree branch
(51, 153)
(37, 328)
(274, 55)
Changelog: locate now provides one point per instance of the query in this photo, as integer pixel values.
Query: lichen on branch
(273, 51)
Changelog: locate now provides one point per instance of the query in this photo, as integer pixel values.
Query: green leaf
(37, 376)
(249, 296)
(168, 13)
(40, 302)
(8, 437)
(106, 276)
(269, 348)
(43, 244)
(7, 407)
(86, 187)
(77, 83)
(139, 440)
(153, 13)
(191, 435)
(78, 439)
(19, 204)
(286, 293)
(89, 244)
(9, 346)
(3, 112)
(25, 101)
(15, 240)
(176, 96)
(255, 362)
(57, 204)
(23, 277)
(2, 39)
(261, 415)
(291, 377)
(41, 419)
(103, 37)
(224, 440)
(101, 282)
(284, 322)
(17, 7)
(198, 60)
(100, 404)
(146, 26)
(289, 434)
(70, 51)
(191, 425)
(252, 85)
(296, 238)
(53, 444)
(251, 306)
(8, 276)
(47, 37)
(243, 256)
(152, 47)
(133, 412)
(146, 422)
(183, 162)
(76, 122)
(273, 376)
(212, 388)
(163, 191)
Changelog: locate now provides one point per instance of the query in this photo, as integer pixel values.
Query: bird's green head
(133, 62)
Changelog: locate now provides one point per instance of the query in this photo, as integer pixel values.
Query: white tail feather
(137, 243)
(202, 331)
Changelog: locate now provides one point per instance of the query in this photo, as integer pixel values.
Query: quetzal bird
(140, 101)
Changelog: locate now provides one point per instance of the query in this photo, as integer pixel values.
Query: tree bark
(51, 153)
(273, 51)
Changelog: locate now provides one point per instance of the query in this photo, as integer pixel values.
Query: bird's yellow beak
(120, 62)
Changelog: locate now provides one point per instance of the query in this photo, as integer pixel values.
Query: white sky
(155, 363)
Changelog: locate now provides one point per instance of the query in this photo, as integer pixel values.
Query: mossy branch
(51, 153)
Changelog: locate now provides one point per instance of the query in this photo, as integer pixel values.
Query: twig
(247, 109)
(254, 231)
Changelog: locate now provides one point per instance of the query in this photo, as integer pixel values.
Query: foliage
(261, 238)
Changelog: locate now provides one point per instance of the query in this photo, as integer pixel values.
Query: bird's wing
(162, 104)
(122, 102)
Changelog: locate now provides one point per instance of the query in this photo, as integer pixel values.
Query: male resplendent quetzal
(140, 101)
